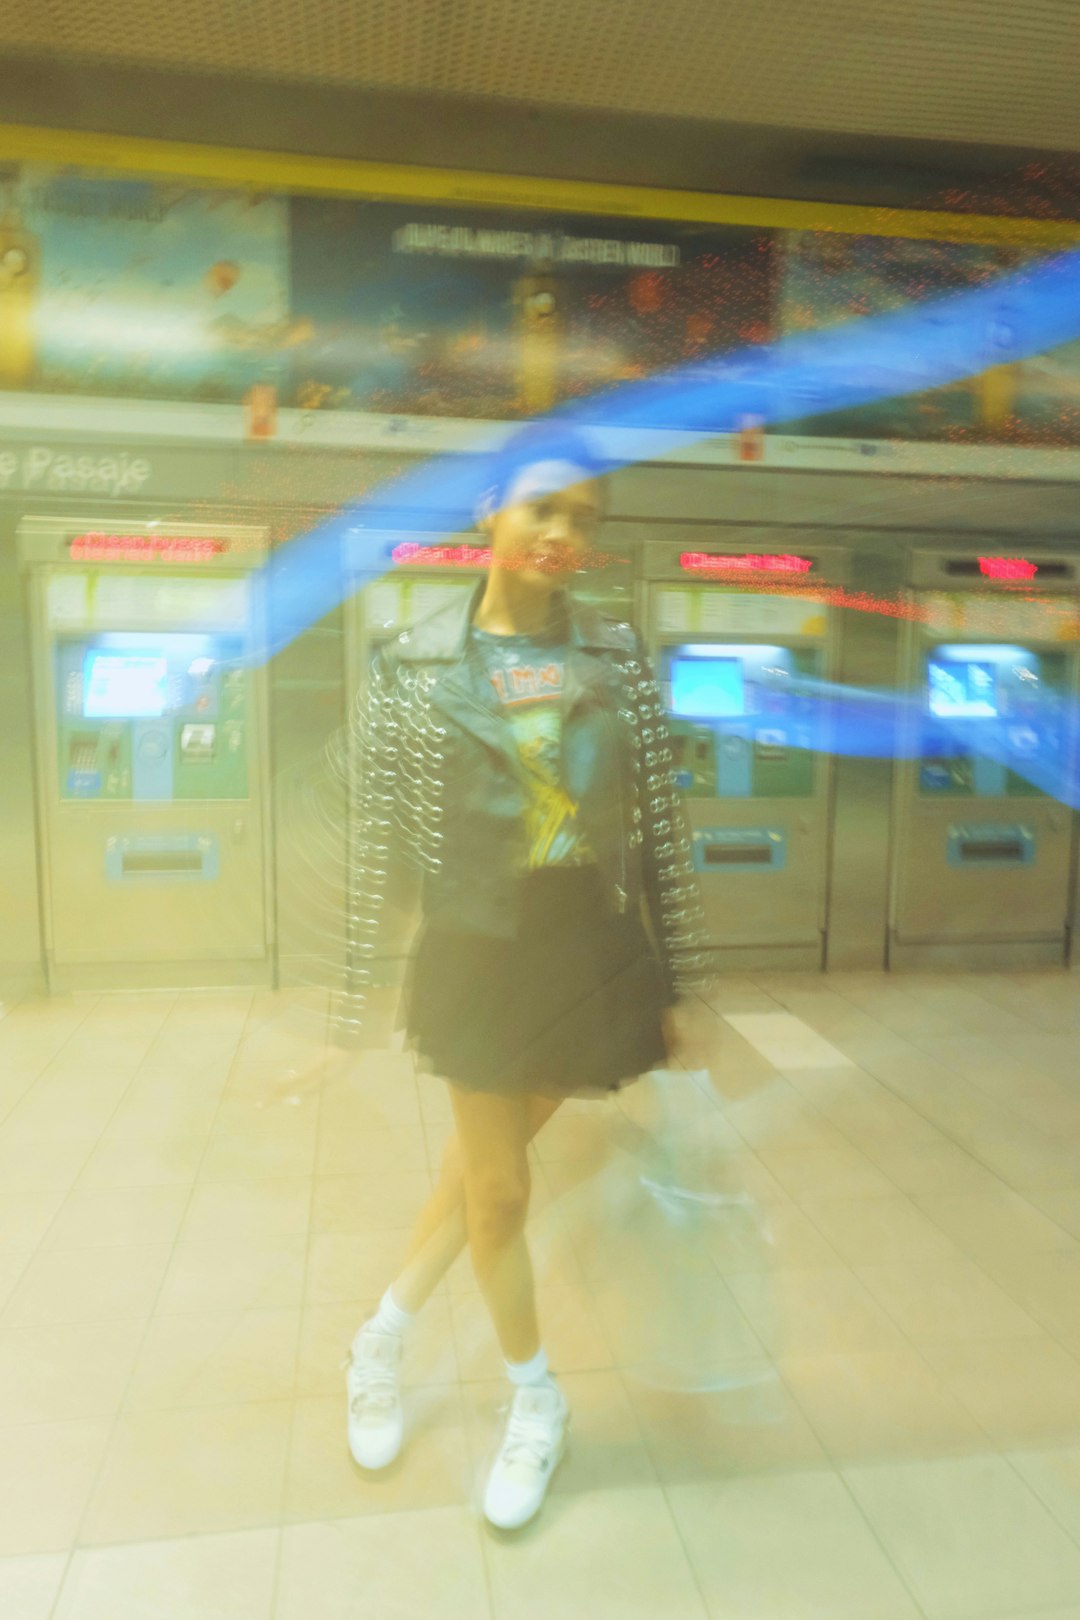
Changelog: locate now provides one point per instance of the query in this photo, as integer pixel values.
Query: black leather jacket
(437, 782)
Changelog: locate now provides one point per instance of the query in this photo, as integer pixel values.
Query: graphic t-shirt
(526, 674)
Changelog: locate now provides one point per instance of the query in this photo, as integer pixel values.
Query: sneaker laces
(374, 1384)
(528, 1437)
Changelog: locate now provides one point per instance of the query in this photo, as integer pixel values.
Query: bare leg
(440, 1232)
(493, 1133)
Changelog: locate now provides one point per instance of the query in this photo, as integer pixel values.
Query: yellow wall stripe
(348, 177)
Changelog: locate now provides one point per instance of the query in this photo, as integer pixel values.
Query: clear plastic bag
(648, 1228)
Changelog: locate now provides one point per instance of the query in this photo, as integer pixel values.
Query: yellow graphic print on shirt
(530, 697)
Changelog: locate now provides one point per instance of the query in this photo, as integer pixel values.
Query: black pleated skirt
(572, 1006)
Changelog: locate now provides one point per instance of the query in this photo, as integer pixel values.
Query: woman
(515, 748)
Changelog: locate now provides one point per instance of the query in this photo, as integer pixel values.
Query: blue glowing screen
(962, 691)
(706, 688)
(123, 686)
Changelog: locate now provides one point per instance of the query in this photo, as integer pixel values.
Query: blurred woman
(515, 746)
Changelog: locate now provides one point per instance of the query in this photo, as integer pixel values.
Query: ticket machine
(151, 753)
(984, 843)
(743, 651)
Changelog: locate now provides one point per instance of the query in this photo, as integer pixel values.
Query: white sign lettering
(463, 242)
(47, 468)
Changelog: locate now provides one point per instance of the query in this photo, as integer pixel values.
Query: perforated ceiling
(999, 71)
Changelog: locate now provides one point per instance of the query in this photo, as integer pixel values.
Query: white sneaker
(532, 1449)
(376, 1422)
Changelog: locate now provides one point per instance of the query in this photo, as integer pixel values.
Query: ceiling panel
(988, 71)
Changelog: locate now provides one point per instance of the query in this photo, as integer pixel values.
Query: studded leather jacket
(433, 781)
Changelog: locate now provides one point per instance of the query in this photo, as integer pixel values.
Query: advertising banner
(130, 286)
(458, 313)
(140, 288)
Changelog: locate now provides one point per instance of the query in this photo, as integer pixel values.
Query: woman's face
(547, 523)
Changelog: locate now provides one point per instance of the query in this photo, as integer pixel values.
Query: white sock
(524, 1374)
(390, 1318)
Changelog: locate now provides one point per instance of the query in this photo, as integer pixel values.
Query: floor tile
(170, 1100)
(256, 1274)
(811, 1311)
(1046, 1286)
(323, 1482)
(48, 1376)
(787, 1547)
(987, 1226)
(880, 1406)
(968, 1536)
(610, 1553)
(428, 1562)
(1053, 1473)
(1021, 1391)
(223, 1577)
(877, 1231)
(934, 1300)
(104, 1217)
(47, 1472)
(42, 1162)
(785, 1041)
(191, 1470)
(752, 1426)
(247, 1211)
(258, 1145)
(28, 1586)
(826, 1172)
(155, 1160)
(353, 1266)
(215, 1358)
(369, 1203)
(945, 1168)
(1061, 1205)
(371, 1152)
(87, 1285)
(13, 1264)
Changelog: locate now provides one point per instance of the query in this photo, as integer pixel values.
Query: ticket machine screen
(994, 721)
(962, 690)
(742, 726)
(151, 715)
(123, 686)
(706, 688)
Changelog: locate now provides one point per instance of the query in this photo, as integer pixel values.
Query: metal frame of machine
(762, 835)
(984, 860)
(154, 849)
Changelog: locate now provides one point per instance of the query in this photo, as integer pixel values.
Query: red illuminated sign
(464, 556)
(1007, 568)
(97, 546)
(711, 562)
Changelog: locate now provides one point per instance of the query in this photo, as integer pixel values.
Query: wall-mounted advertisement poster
(828, 278)
(458, 313)
(134, 287)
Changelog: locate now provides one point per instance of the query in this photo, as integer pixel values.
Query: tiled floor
(841, 1379)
